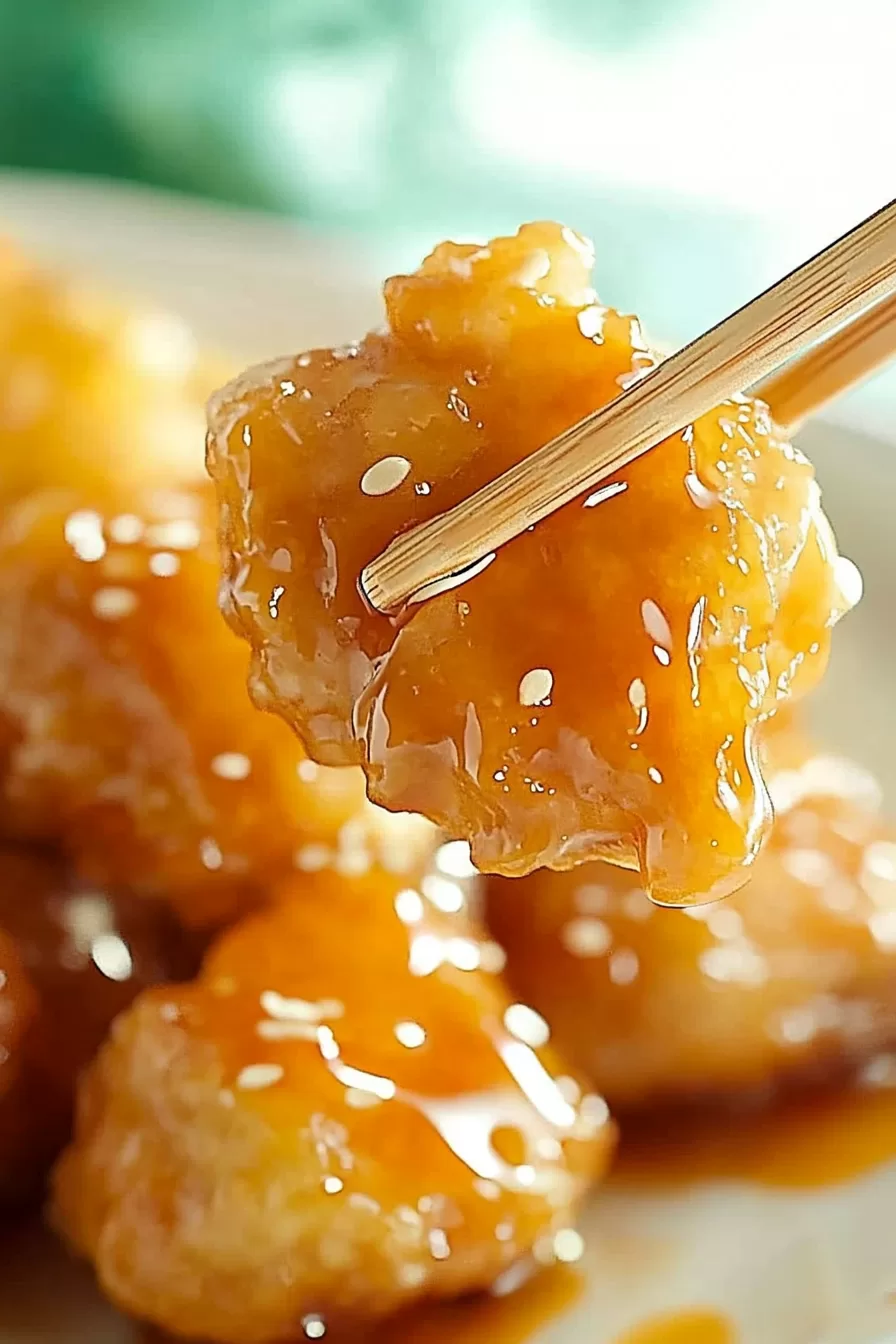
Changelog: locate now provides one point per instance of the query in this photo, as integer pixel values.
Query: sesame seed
(385, 476)
(536, 686)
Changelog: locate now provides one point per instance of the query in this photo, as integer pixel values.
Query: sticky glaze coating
(93, 392)
(71, 958)
(341, 1117)
(592, 693)
(793, 976)
(126, 731)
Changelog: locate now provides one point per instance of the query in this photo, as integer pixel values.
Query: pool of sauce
(685, 1327)
(511, 1318)
(817, 1140)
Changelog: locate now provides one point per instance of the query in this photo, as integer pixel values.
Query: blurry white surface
(788, 1269)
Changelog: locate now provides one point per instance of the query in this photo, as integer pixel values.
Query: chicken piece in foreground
(345, 1114)
(594, 691)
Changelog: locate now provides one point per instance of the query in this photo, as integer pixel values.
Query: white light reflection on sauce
(604, 493)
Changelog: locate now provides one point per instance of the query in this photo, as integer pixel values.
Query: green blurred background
(708, 145)
(347, 109)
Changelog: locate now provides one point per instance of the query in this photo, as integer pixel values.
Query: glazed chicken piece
(794, 977)
(126, 733)
(125, 729)
(344, 1115)
(71, 957)
(92, 392)
(595, 690)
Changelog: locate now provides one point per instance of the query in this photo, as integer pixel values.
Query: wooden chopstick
(830, 368)
(828, 290)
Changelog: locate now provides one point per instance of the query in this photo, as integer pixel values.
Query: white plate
(788, 1269)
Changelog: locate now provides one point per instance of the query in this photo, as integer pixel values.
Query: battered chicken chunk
(595, 690)
(92, 391)
(794, 975)
(343, 1115)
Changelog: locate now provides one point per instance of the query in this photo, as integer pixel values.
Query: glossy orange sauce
(686, 1327)
(807, 1143)
(509, 1319)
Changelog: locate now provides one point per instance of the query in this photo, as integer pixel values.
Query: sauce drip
(807, 1143)
(687, 1327)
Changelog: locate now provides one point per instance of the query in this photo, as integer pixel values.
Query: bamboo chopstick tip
(373, 594)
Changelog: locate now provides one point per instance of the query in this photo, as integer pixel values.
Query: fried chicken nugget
(793, 976)
(593, 691)
(92, 392)
(126, 732)
(343, 1115)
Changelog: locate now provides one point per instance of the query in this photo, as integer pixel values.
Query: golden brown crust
(593, 692)
(334, 1120)
(793, 975)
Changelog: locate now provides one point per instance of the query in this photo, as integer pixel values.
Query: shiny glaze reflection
(346, 1093)
(597, 684)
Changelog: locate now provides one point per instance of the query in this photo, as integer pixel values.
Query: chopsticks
(813, 301)
(833, 366)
